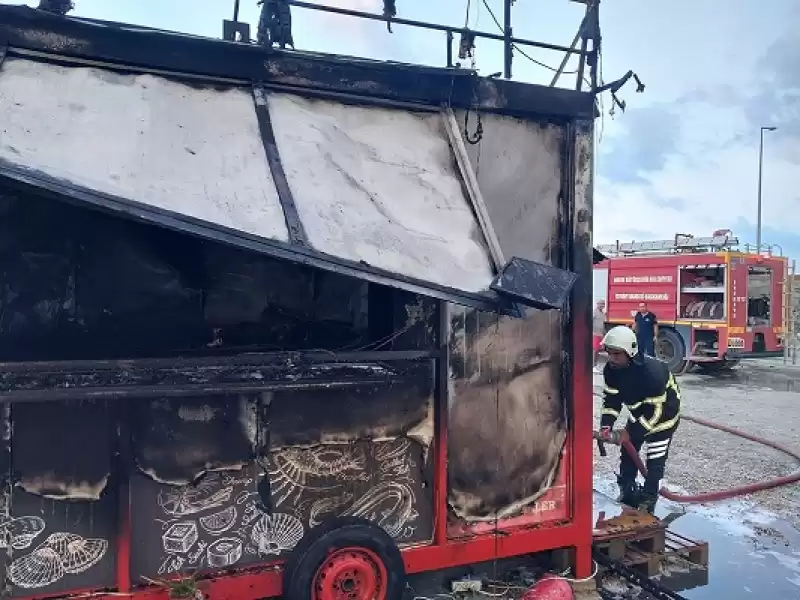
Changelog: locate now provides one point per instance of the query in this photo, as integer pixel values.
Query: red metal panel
(266, 581)
(581, 443)
(651, 282)
(552, 507)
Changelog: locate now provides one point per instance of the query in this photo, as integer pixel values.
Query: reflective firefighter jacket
(648, 390)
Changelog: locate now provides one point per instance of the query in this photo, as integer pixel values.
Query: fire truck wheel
(345, 558)
(671, 350)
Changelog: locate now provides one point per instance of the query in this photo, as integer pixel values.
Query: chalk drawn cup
(224, 552)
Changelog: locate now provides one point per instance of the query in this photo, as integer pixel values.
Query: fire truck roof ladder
(681, 243)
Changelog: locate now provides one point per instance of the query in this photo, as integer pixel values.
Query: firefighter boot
(647, 503)
(629, 492)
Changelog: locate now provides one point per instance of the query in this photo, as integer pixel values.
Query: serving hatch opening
(372, 192)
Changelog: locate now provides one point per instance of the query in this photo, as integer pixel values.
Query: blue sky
(682, 158)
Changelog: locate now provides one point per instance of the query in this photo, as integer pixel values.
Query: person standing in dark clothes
(645, 324)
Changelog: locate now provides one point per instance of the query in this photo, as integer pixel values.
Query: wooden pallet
(648, 552)
(645, 540)
(649, 562)
(691, 550)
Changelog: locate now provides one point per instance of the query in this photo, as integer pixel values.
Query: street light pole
(760, 171)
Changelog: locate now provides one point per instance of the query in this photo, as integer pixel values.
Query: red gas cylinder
(549, 587)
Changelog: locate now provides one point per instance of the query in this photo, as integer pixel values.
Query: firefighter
(648, 389)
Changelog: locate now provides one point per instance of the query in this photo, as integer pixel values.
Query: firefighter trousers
(656, 447)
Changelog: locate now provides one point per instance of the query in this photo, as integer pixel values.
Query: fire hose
(619, 438)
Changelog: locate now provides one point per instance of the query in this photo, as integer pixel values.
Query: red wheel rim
(350, 574)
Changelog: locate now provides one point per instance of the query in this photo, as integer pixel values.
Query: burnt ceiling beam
(197, 391)
(297, 234)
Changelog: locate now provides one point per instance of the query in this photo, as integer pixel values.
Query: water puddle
(751, 554)
(766, 564)
(777, 379)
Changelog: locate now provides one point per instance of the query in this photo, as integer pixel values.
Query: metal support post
(507, 43)
(760, 171)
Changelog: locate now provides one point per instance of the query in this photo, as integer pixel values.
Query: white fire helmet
(621, 338)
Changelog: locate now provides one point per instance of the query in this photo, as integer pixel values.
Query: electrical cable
(520, 50)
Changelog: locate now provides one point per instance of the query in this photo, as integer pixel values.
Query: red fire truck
(715, 304)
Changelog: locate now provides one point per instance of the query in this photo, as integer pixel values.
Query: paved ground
(763, 398)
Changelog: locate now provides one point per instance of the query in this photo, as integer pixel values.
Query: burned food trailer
(277, 321)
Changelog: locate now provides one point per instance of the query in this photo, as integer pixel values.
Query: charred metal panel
(365, 79)
(191, 150)
(519, 166)
(59, 546)
(367, 411)
(35, 382)
(81, 284)
(224, 520)
(535, 284)
(207, 523)
(177, 440)
(507, 420)
(507, 414)
(63, 450)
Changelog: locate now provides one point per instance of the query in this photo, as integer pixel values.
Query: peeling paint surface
(194, 151)
(507, 421)
(394, 198)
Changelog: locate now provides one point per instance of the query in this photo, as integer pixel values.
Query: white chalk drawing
(228, 479)
(390, 504)
(199, 552)
(251, 513)
(244, 496)
(324, 506)
(393, 460)
(188, 500)
(78, 554)
(40, 568)
(276, 533)
(20, 532)
(171, 564)
(224, 552)
(59, 554)
(291, 470)
(180, 537)
(218, 523)
(388, 450)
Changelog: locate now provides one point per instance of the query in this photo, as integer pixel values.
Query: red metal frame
(527, 534)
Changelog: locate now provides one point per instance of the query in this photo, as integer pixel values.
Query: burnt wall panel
(387, 482)
(507, 417)
(63, 449)
(181, 528)
(519, 165)
(60, 545)
(176, 440)
(364, 411)
(223, 520)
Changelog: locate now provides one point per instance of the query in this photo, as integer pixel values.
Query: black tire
(321, 543)
(717, 366)
(671, 349)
